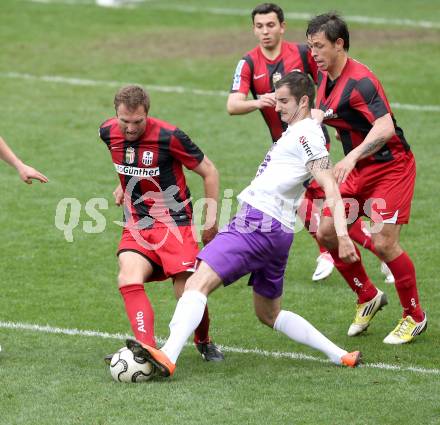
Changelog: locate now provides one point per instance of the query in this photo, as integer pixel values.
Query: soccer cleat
(351, 359)
(389, 278)
(406, 330)
(209, 351)
(365, 313)
(165, 367)
(324, 267)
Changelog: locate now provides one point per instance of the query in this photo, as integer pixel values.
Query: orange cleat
(351, 359)
(164, 365)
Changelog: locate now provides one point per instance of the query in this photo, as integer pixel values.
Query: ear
(283, 27)
(304, 101)
(339, 44)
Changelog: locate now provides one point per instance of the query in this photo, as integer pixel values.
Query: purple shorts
(255, 243)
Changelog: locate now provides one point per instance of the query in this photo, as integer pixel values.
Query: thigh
(133, 268)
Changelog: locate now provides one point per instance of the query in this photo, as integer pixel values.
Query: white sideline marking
(244, 12)
(239, 350)
(168, 89)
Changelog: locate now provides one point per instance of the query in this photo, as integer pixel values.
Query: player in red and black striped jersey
(257, 73)
(378, 171)
(264, 65)
(158, 239)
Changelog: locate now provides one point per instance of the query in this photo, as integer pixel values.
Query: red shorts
(171, 250)
(381, 191)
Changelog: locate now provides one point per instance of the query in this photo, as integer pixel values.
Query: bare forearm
(8, 156)
(240, 107)
(380, 133)
(211, 185)
(334, 201)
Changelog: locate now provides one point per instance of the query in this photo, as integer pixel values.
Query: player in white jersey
(258, 239)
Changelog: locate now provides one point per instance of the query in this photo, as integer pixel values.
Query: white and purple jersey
(279, 184)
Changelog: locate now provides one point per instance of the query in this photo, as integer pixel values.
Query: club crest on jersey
(276, 77)
(129, 155)
(147, 158)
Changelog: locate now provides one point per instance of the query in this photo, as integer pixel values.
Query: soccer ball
(124, 367)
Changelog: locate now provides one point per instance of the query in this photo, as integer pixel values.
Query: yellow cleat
(406, 330)
(365, 313)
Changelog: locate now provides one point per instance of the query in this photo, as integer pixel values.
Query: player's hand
(119, 195)
(346, 250)
(266, 100)
(318, 115)
(27, 174)
(343, 168)
(209, 234)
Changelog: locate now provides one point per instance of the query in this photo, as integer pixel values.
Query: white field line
(254, 351)
(168, 89)
(294, 16)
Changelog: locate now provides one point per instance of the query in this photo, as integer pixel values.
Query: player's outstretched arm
(321, 170)
(206, 169)
(26, 173)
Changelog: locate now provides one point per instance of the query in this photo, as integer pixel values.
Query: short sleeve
(104, 134)
(312, 145)
(185, 150)
(242, 78)
(369, 99)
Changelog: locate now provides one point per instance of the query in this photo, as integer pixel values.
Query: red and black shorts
(171, 250)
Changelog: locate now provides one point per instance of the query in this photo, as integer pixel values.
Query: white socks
(300, 330)
(187, 316)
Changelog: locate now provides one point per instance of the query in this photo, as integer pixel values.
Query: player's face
(131, 123)
(268, 30)
(286, 104)
(324, 52)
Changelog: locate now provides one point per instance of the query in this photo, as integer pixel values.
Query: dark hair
(332, 25)
(266, 8)
(299, 85)
(132, 97)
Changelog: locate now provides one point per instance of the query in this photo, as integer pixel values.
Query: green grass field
(60, 64)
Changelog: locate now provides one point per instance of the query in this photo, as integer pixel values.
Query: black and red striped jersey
(150, 171)
(257, 74)
(351, 104)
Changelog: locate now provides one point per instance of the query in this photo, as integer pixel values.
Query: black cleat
(210, 352)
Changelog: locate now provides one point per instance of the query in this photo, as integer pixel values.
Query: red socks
(140, 312)
(201, 334)
(356, 277)
(406, 285)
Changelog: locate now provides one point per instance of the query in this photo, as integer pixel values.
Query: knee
(386, 248)
(126, 277)
(326, 237)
